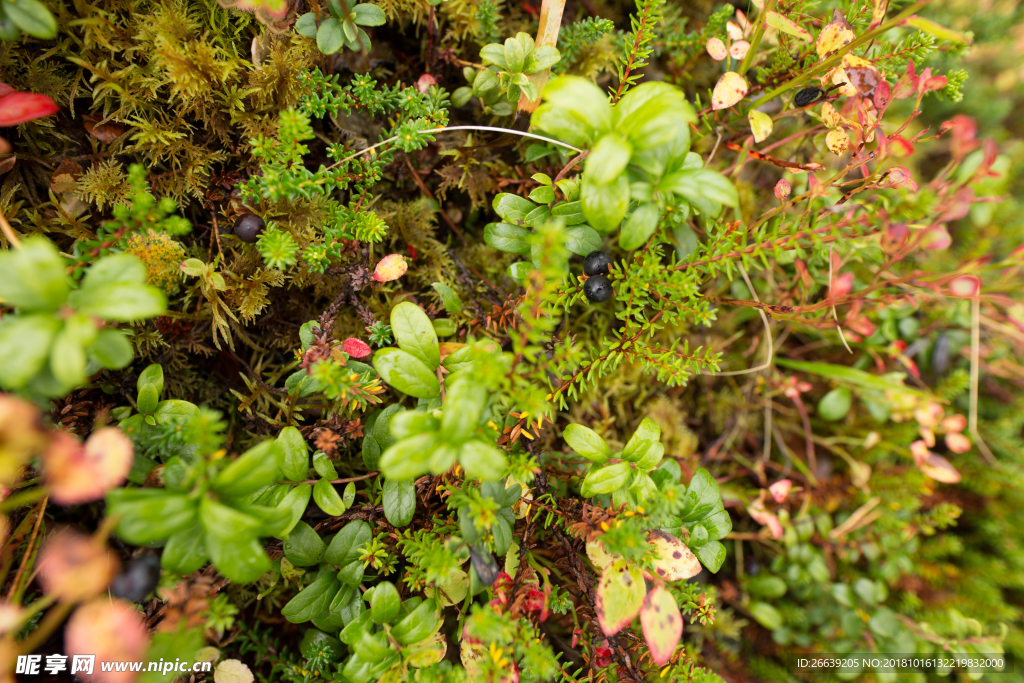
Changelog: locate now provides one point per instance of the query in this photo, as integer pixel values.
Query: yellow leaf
(830, 116)
(620, 595)
(836, 34)
(739, 49)
(861, 74)
(760, 125)
(391, 267)
(878, 11)
(734, 30)
(781, 23)
(675, 561)
(662, 624)
(838, 141)
(731, 88)
(716, 48)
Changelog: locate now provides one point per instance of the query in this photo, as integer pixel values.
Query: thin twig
(767, 330)
(9, 232)
(333, 481)
(972, 415)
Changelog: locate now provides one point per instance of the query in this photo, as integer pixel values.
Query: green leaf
(654, 114)
(647, 434)
(32, 17)
(639, 227)
(25, 342)
(112, 349)
(507, 237)
(67, 358)
(605, 205)
(368, 15)
(327, 498)
(581, 100)
(493, 53)
(122, 301)
(512, 207)
(120, 269)
(542, 195)
(620, 596)
(33, 277)
(323, 466)
(586, 443)
(486, 83)
(766, 615)
(773, 587)
(582, 239)
(605, 479)
(482, 461)
(399, 501)
(239, 558)
(701, 184)
(406, 372)
(841, 373)
(451, 301)
(148, 399)
(347, 543)
(384, 603)
(351, 573)
(316, 643)
(313, 599)
(330, 36)
(711, 555)
(414, 334)
(149, 515)
(608, 159)
(185, 551)
(349, 495)
(295, 502)
(786, 25)
(515, 55)
(444, 327)
(306, 25)
(542, 57)
(292, 454)
(254, 469)
(304, 548)
(174, 410)
(835, 404)
(409, 458)
(464, 404)
(571, 213)
(416, 625)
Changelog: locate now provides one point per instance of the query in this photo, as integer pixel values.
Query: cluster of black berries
(597, 288)
(138, 580)
(248, 227)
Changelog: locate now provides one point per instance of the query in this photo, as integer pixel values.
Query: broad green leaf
(701, 184)
(304, 548)
(409, 458)
(24, 347)
(316, 643)
(451, 590)
(444, 327)
(515, 55)
(889, 382)
(368, 14)
(347, 543)
(835, 404)
(237, 555)
(292, 454)
(702, 497)
(185, 551)
(512, 207)
(653, 114)
(32, 17)
(148, 399)
(327, 498)
(786, 25)
(295, 502)
(482, 460)
(639, 227)
(620, 596)
(416, 625)
(112, 349)
(173, 410)
(582, 239)
(662, 624)
(330, 36)
(349, 495)
(651, 457)
(542, 57)
(766, 615)
(451, 301)
(414, 334)
(67, 358)
(313, 599)
(674, 561)
(586, 443)
(571, 213)
(113, 270)
(647, 434)
(507, 237)
(33, 277)
(608, 159)
(605, 205)
(399, 501)
(464, 404)
(773, 587)
(406, 372)
(351, 573)
(605, 480)
(121, 301)
(306, 25)
(152, 375)
(542, 195)
(385, 603)
(149, 515)
(323, 466)
(711, 555)
(581, 100)
(254, 469)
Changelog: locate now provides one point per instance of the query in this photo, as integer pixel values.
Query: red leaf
(356, 348)
(20, 107)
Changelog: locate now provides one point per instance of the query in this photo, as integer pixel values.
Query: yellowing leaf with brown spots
(786, 25)
(837, 34)
(662, 624)
(830, 116)
(760, 125)
(861, 74)
(598, 555)
(838, 141)
(731, 88)
(620, 595)
(674, 560)
(391, 267)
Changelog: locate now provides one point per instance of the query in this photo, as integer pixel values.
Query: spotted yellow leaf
(730, 89)
(620, 595)
(662, 624)
(760, 125)
(786, 25)
(716, 48)
(674, 560)
(598, 555)
(837, 34)
(830, 116)
(838, 141)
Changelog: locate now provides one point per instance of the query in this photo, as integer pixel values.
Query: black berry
(598, 289)
(596, 263)
(248, 227)
(138, 580)
(807, 96)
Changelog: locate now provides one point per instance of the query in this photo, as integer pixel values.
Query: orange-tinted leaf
(104, 132)
(965, 286)
(113, 631)
(782, 189)
(739, 49)
(232, 671)
(780, 490)
(620, 595)
(79, 474)
(901, 147)
(65, 177)
(731, 88)
(662, 624)
(861, 74)
(830, 116)
(391, 267)
(836, 34)
(760, 125)
(936, 238)
(938, 468)
(838, 141)
(734, 30)
(786, 25)
(73, 566)
(675, 561)
(716, 48)
(878, 10)
(954, 423)
(957, 442)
